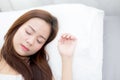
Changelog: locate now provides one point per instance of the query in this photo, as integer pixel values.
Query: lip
(24, 48)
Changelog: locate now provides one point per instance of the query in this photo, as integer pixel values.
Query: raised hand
(66, 45)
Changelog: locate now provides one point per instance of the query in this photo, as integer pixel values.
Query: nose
(30, 41)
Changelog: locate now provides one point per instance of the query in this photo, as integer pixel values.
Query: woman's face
(31, 36)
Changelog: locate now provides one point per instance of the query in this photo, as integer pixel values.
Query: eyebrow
(35, 31)
(32, 28)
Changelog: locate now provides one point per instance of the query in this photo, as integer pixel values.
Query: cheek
(37, 47)
(21, 36)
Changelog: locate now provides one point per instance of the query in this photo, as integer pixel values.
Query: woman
(23, 54)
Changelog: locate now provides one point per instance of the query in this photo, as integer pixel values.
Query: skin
(66, 47)
(31, 36)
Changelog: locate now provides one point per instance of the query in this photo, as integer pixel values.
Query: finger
(66, 35)
(73, 38)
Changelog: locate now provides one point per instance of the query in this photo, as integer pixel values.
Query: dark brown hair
(38, 67)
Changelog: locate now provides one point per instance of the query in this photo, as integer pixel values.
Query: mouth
(24, 48)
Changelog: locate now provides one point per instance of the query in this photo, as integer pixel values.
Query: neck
(6, 69)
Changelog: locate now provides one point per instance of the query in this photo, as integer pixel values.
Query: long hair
(38, 68)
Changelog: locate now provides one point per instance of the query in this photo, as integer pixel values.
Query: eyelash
(28, 32)
(39, 41)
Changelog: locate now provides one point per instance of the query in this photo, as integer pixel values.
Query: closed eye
(40, 42)
(29, 33)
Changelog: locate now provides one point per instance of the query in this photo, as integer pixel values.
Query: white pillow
(86, 23)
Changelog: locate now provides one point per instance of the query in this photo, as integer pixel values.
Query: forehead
(37, 21)
(39, 25)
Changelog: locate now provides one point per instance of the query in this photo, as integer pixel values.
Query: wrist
(66, 55)
(67, 59)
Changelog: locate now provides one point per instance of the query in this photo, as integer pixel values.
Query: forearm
(67, 68)
(66, 47)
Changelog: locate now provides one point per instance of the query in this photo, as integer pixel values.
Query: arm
(66, 46)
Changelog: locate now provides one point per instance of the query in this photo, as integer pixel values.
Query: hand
(66, 45)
